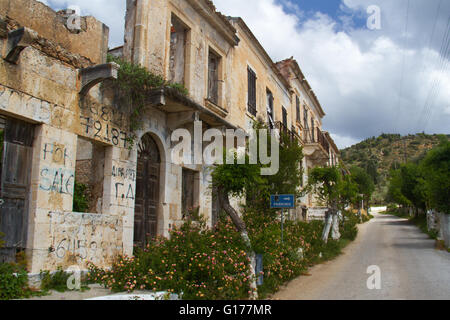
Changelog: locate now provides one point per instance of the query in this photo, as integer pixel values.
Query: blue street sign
(283, 201)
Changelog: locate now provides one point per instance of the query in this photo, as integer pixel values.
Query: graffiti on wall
(57, 179)
(87, 237)
(24, 104)
(103, 123)
(125, 180)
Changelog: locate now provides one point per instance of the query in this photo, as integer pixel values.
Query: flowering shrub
(212, 264)
(195, 261)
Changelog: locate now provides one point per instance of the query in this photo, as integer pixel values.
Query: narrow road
(410, 267)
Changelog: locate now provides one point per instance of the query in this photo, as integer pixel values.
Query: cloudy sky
(394, 79)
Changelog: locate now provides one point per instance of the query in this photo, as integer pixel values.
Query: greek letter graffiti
(129, 174)
(130, 191)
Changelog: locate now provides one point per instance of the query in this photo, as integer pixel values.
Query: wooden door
(147, 192)
(15, 185)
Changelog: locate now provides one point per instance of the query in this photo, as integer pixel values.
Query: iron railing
(317, 136)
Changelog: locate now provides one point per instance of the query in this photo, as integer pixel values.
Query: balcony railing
(285, 130)
(317, 137)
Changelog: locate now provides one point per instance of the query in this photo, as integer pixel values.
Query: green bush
(56, 281)
(281, 260)
(80, 199)
(13, 282)
(213, 264)
(436, 166)
(348, 228)
(196, 262)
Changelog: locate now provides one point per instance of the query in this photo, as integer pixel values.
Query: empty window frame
(213, 76)
(305, 117)
(190, 191)
(251, 91)
(177, 62)
(89, 176)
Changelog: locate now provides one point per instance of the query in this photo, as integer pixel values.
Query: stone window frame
(212, 48)
(107, 162)
(195, 188)
(174, 13)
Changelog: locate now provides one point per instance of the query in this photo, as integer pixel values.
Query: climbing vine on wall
(80, 198)
(132, 87)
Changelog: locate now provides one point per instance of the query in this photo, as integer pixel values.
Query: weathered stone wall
(80, 237)
(48, 24)
(42, 87)
(147, 41)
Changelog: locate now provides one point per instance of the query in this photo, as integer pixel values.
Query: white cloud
(357, 74)
(344, 142)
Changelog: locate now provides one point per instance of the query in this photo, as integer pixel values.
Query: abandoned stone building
(62, 128)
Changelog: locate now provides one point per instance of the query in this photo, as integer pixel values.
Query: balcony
(316, 146)
(291, 133)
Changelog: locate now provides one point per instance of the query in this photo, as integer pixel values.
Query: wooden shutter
(285, 117)
(251, 91)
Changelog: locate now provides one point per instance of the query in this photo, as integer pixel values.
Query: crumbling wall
(78, 238)
(51, 26)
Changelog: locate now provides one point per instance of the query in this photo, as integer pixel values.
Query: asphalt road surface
(410, 267)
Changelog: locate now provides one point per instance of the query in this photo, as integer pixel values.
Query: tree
(348, 191)
(234, 180)
(364, 183)
(436, 167)
(246, 180)
(289, 178)
(325, 183)
(394, 194)
(413, 185)
(372, 170)
(407, 187)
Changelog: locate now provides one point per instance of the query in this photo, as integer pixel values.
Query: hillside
(379, 155)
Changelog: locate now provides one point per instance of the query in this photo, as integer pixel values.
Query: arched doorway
(147, 191)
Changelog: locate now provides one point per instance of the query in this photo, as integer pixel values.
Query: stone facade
(53, 79)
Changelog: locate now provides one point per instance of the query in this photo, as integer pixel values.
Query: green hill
(379, 155)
